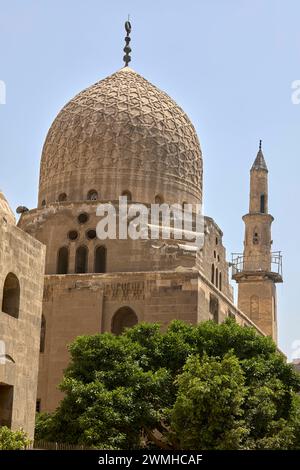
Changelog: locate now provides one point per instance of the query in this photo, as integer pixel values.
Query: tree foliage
(208, 409)
(207, 386)
(13, 440)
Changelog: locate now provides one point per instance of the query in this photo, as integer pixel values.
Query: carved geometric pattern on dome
(120, 122)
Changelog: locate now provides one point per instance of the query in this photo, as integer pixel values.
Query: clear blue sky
(229, 64)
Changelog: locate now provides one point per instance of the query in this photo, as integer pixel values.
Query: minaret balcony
(269, 266)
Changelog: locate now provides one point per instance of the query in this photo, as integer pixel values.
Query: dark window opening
(6, 404)
(73, 235)
(220, 281)
(158, 199)
(127, 194)
(262, 203)
(63, 260)
(81, 260)
(38, 406)
(100, 259)
(92, 195)
(213, 273)
(43, 203)
(11, 295)
(91, 234)
(62, 197)
(125, 317)
(255, 238)
(43, 334)
(217, 277)
(83, 218)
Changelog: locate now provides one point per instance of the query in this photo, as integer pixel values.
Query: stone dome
(5, 210)
(122, 134)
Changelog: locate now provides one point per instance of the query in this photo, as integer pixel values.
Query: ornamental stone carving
(121, 131)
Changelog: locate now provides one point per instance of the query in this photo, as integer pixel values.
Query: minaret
(258, 269)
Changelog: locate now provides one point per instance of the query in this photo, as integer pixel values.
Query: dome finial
(260, 145)
(127, 48)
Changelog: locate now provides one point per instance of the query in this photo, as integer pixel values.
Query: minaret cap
(259, 162)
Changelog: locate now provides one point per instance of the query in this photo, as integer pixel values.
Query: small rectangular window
(6, 404)
(262, 203)
(38, 406)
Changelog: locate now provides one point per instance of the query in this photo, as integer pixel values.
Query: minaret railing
(241, 263)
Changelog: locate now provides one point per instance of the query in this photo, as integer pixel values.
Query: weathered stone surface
(23, 256)
(5, 211)
(86, 304)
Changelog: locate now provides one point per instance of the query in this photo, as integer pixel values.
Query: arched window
(63, 260)
(43, 334)
(11, 295)
(128, 195)
(123, 318)
(81, 260)
(100, 259)
(262, 203)
(158, 199)
(217, 277)
(92, 195)
(220, 281)
(43, 203)
(62, 197)
(213, 273)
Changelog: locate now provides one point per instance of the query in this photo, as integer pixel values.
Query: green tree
(129, 391)
(13, 440)
(208, 410)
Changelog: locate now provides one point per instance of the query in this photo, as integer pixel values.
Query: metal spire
(127, 48)
(259, 162)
